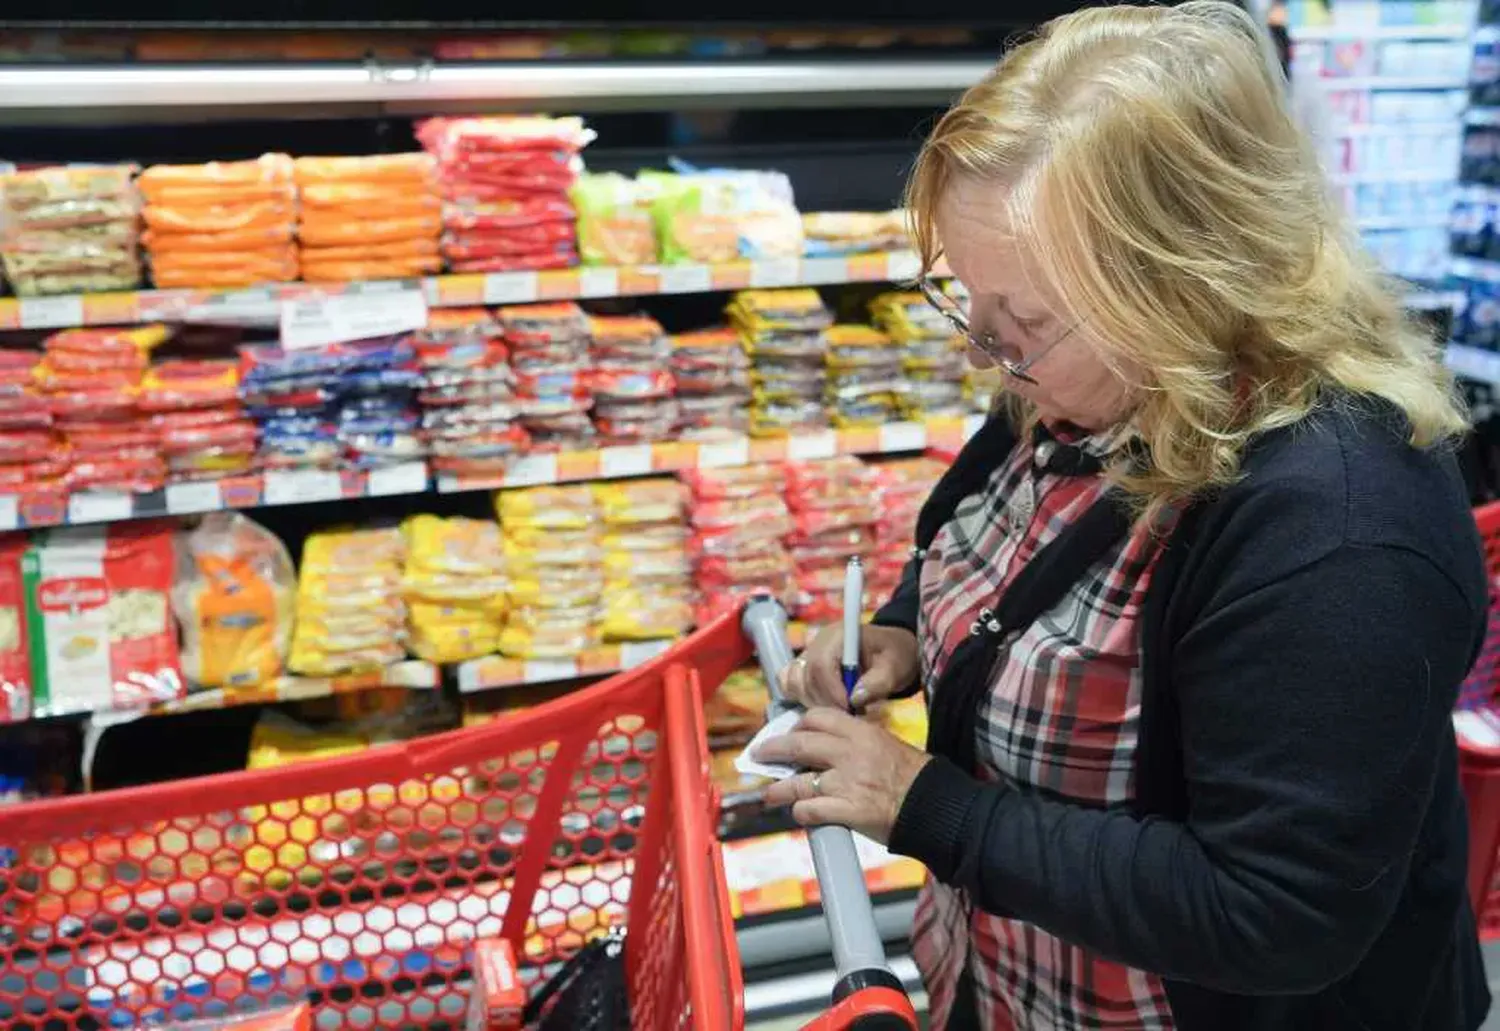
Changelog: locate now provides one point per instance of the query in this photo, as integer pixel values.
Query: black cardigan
(1296, 855)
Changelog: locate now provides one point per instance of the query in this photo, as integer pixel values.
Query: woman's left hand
(859, 772)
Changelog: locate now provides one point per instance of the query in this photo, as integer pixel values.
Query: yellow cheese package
(528, 549)
(798, 308)
(350, 551)
(453, 545)
(558, 508)
(637, 615)
(561, 642)
(350, 614)
(444, 642)
(234, 599)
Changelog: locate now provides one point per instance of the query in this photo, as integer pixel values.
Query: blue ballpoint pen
(854, 602)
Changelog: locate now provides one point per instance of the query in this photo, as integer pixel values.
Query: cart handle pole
(857, 947)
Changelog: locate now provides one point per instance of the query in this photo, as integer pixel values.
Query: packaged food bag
(99, 617)
(15, 661)
(235, 600)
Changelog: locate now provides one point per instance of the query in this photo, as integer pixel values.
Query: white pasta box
(98, 618)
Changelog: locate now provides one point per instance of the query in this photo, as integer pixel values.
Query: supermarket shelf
(1394, 82)
(1487, 34)
(609, 463)
(414, 86)
(297, 487)
(1391, 129)
(1482, 116)
(1317, 33)
(495, 671)
(413, 673)
(263, 304)
(1474, 363)
(286, 487)
(1434, 300)
(1373, 222)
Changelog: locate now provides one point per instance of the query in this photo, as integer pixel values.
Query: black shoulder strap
(1038, 587)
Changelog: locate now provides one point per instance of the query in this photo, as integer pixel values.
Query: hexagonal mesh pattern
(359, 882)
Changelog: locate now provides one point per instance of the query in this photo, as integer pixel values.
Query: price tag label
(194, 497)
(804, 448)
(903, 436)
(510, 288)
(686, 279)
(298, 486)
(405, 478)
(598, 282)
(774, 272)
(531, 470)
(902, 266)
(315, 321)
(543, 671)
(633, 653)
(733, 452)
(100, 507)
(51, 312)
(820, 271)
(250, 307)
(10, 513)
(625, 461)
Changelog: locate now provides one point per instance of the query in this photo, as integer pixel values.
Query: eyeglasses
(986, 345)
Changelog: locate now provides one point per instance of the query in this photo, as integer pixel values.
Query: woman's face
(1009, 303)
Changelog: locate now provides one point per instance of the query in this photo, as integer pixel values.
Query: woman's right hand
(887, 662)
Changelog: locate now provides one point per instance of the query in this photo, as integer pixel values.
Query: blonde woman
(1191, 616)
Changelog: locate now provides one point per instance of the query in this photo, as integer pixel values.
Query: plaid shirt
(1060, 720)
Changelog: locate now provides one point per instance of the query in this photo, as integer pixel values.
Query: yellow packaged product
(906, 316)
(351, 551)
(527, 553)
(428, 613)
(641, 501)
(642, 566)
(755, 311)
(520, 642)
(453, 642)
(637, 616)
(382, 608)
(551, 588)
(312, 660)
(453, 545)
(421, 585)
(556, 508)
(738, 708)
(234, 599)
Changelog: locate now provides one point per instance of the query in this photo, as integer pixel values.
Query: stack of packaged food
(376, 217)
(549, 354)
(833, 519)
(932, 355)
(92, 379)
(455, 587)
(723, 214)
(470, 420)
(221, 225)
(615, 224)
(739, 520)
(235, 599)
(864, 376)
(830, 233)
(344, 405)
(555, 559)
(350, 615)
(193, 404)
(981, 386)
(504, 183)
(70, 230)
(783, 332)
(648, 586)
(632, 385)
(712, 376)
(32, 458)
(901, 488)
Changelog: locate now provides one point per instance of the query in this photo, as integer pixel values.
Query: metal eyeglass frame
(985, 345)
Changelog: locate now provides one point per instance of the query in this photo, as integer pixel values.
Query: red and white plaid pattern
(1061, 720)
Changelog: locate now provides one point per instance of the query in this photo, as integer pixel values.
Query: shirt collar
(1066, 450)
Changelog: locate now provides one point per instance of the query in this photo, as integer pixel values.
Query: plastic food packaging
(506, 181)
(103, 637)
(350, 617)
(615, 222)
(234, 599)
(221, 225)
(830, 233)
(71, 228)
(722, 215)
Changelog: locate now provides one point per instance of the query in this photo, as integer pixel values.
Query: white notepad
(782, 724)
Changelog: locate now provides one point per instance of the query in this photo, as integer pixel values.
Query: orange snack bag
(251, 238)
(348, 271)
(218, 218)
(341, 231)
(418, 167)
(268, 168)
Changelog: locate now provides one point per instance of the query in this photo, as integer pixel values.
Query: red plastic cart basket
(358, 882)
(1479, 744)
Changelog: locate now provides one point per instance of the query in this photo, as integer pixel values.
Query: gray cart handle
(858, 952)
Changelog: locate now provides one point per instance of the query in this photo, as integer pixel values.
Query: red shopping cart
(1479, 744)
(359, 883)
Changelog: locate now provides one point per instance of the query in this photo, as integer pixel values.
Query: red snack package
(189, 383)
(501, 212)
(233, 437)
(734, 482)
(27, 445)
(17, 477)
(129, 475)
(497, 997)
(168, 422)
(96, 402)
(450, 137)
(519, 263)
(25, 410)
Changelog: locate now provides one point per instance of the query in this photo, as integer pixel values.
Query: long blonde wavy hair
(1149, 162)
